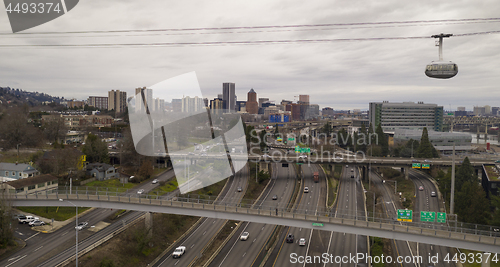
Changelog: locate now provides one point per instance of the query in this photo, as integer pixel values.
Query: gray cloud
(341, 75)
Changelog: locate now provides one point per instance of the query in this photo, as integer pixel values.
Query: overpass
(438, 234)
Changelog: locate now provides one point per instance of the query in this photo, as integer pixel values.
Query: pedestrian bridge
(442, 235)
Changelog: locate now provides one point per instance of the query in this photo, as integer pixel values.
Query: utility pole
(452, 198)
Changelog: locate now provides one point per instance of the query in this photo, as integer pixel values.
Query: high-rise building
(304, 99)
(487, 109)
(148, 96)
(117, 101)
(192, 104)
(262, 101)
(176, 105)
(217, 105)
(252, 106)
(228, 95)
(406, 115)
(327, 112)
(460, 108)
(494, 110)
(159, 105)
(479, 110)
(100, 102)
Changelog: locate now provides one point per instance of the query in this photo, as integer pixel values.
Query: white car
(81, 225)
(302, 242)
(27, 219)
(178, 252)
(36, 223)
(155, 181)
(244, 236)
(306, 189)
(140, 191)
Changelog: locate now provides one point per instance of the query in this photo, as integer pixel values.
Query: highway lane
(400, 248)
(307, 203)
(425, 202)
(246, 253)
(197, 241)
(43, 246)
(349, 204)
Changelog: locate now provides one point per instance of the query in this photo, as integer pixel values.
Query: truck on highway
(316, 177)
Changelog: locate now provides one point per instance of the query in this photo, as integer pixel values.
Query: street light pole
(76, 229)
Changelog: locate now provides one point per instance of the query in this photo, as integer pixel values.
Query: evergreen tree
(95, 149)
(362, 140)
(465, 173)
(382, 141)
(471, 204)
(371, 136)
(426, 149)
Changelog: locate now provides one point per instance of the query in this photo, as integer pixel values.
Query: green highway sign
(441, 218)
(416, 165)
(299, 149)
(427, 216)
(291, 139)
(426, 166)
(405, 215)
(318, 224)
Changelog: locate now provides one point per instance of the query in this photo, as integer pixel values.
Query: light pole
(76, 229)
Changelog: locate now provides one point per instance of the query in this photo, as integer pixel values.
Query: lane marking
(38, 248)
(16, 261)
(31, 236)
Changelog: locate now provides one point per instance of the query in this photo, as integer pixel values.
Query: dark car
(289, 238)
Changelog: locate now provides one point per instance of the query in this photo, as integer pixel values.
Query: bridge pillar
(264, 166)
(406, 171)
(363, 173)
(148, 219)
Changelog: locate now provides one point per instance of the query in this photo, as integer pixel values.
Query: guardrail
(316, 214)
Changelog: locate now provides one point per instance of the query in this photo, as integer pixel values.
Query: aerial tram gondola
(441, 69)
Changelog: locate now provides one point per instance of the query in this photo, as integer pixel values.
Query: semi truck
(316, 177)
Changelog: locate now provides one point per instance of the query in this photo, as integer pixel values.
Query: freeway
(200, 237)
(309, 203)
(350, 204)
(400, 247)
(246, 253)
(45, 246)
(425, 202)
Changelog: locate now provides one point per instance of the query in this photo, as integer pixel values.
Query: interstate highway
(196, 241)
(307, 202)
(245, 253)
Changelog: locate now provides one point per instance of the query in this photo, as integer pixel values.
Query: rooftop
(21, 183)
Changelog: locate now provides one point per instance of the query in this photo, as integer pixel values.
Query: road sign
(416, 165)
(299, 149)
(405, 215)
(318, 224)
(427, 216)
(426, 166)
(441, 218)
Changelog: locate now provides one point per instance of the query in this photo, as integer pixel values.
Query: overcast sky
(341, 75)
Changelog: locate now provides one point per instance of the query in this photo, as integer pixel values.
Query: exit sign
(318, 224)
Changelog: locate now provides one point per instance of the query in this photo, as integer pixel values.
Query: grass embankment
(57, 213)
(223, 234)
(164, 188)
(406, 187)
(133, 248)
(254, 189)
(333, 181)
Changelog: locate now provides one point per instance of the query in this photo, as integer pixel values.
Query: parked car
(178, 252)
(306, 189)
(36, 223)
(81, 225)
(244, 236)
(27, 219)
(289, 238)
(433, 194)
(421, 188)
(302, 242)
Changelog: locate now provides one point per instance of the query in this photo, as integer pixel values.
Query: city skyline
(344, 73)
